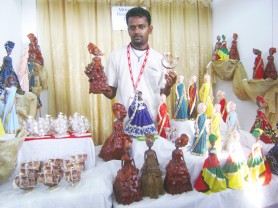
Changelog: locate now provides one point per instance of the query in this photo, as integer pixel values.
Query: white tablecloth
(45, 149)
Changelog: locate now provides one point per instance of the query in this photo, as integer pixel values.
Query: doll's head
(235, 36)
(10, 81)
(184, 140)
(220, 94)
(257, 51)
(193, 79)
(212, 139)
(32, 37)
(149, 139)
(207, 78)
(117, 107)
(235, 134)
(231, 106)
(261, 103)
(181, 78)
(257, 133)
(272, 51)
(218, 37)
(162, 98)
(217, 108)
(9, 45)
(201, 108)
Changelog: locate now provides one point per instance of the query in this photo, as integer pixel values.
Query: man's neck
(139, 47)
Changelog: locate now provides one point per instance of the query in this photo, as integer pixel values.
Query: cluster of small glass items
(60, 126)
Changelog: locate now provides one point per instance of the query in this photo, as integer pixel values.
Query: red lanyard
(135, 85)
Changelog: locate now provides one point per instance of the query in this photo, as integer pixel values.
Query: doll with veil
(140, 121)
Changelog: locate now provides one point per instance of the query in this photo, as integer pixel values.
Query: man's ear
(150, 29)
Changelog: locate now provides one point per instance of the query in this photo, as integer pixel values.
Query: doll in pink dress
(23, 72)
(234, 52)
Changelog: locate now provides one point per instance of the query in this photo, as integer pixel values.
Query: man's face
(139, 30)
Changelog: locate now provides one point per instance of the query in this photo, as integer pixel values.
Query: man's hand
(171, 79)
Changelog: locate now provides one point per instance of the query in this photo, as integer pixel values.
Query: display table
(96, 186)
(43, 149)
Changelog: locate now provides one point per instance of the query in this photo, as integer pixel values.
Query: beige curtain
(182, 27)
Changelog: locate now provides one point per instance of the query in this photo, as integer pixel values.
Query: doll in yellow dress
(206, 95)
(216, 126)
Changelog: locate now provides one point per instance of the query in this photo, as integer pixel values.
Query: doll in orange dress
(258, 69)
(127, 185)
(113, 148)
(234, 52)
(192, 98)
(268, 135)
(177, 179)
(162, 117)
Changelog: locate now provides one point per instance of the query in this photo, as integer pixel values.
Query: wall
(256, 23)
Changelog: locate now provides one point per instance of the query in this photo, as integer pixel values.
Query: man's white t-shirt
(151, 82)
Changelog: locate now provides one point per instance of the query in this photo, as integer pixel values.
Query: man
(137, 66)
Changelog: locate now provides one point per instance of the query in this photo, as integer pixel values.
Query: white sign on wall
(118, 17)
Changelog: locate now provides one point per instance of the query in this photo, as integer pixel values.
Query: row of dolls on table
(260, 71)
(129, 186)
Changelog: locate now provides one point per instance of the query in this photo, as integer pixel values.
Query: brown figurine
(151, 178)
(270, 71)
(113, 148)
(94, 70)
(234, 52)
(177, 178)
(127, 186)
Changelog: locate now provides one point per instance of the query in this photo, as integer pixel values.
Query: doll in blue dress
(7, 68)
(181, 97)
(199, 146)
(140, 121)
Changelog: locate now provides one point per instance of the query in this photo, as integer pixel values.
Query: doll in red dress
(223, 103)
(268, 135)
(162, 117)
(234, 52)
(258, 69)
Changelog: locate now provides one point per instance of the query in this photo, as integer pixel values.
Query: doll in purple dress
(140, 121)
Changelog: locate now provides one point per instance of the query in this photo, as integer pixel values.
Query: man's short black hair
(138, 12)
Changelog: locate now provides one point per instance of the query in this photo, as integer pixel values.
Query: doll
(223, 53)
(270, 71)
(217, 47)
(177, 179)
(151, 178)
(215, 127)
(8, 112)
(200, 138)
(95, 72)
(206, 95)
(23, 72)
(258, 69)
(181, 97)
(192, 98)
(223, 103)
(211, 177)
(162, 117)
(272, 158)
(259, 171)
(235, 167)
(113, 148)
(268, 134)
(7, 68)
(234, 52)
(36, 64)
(140, 121)
(127, 185)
